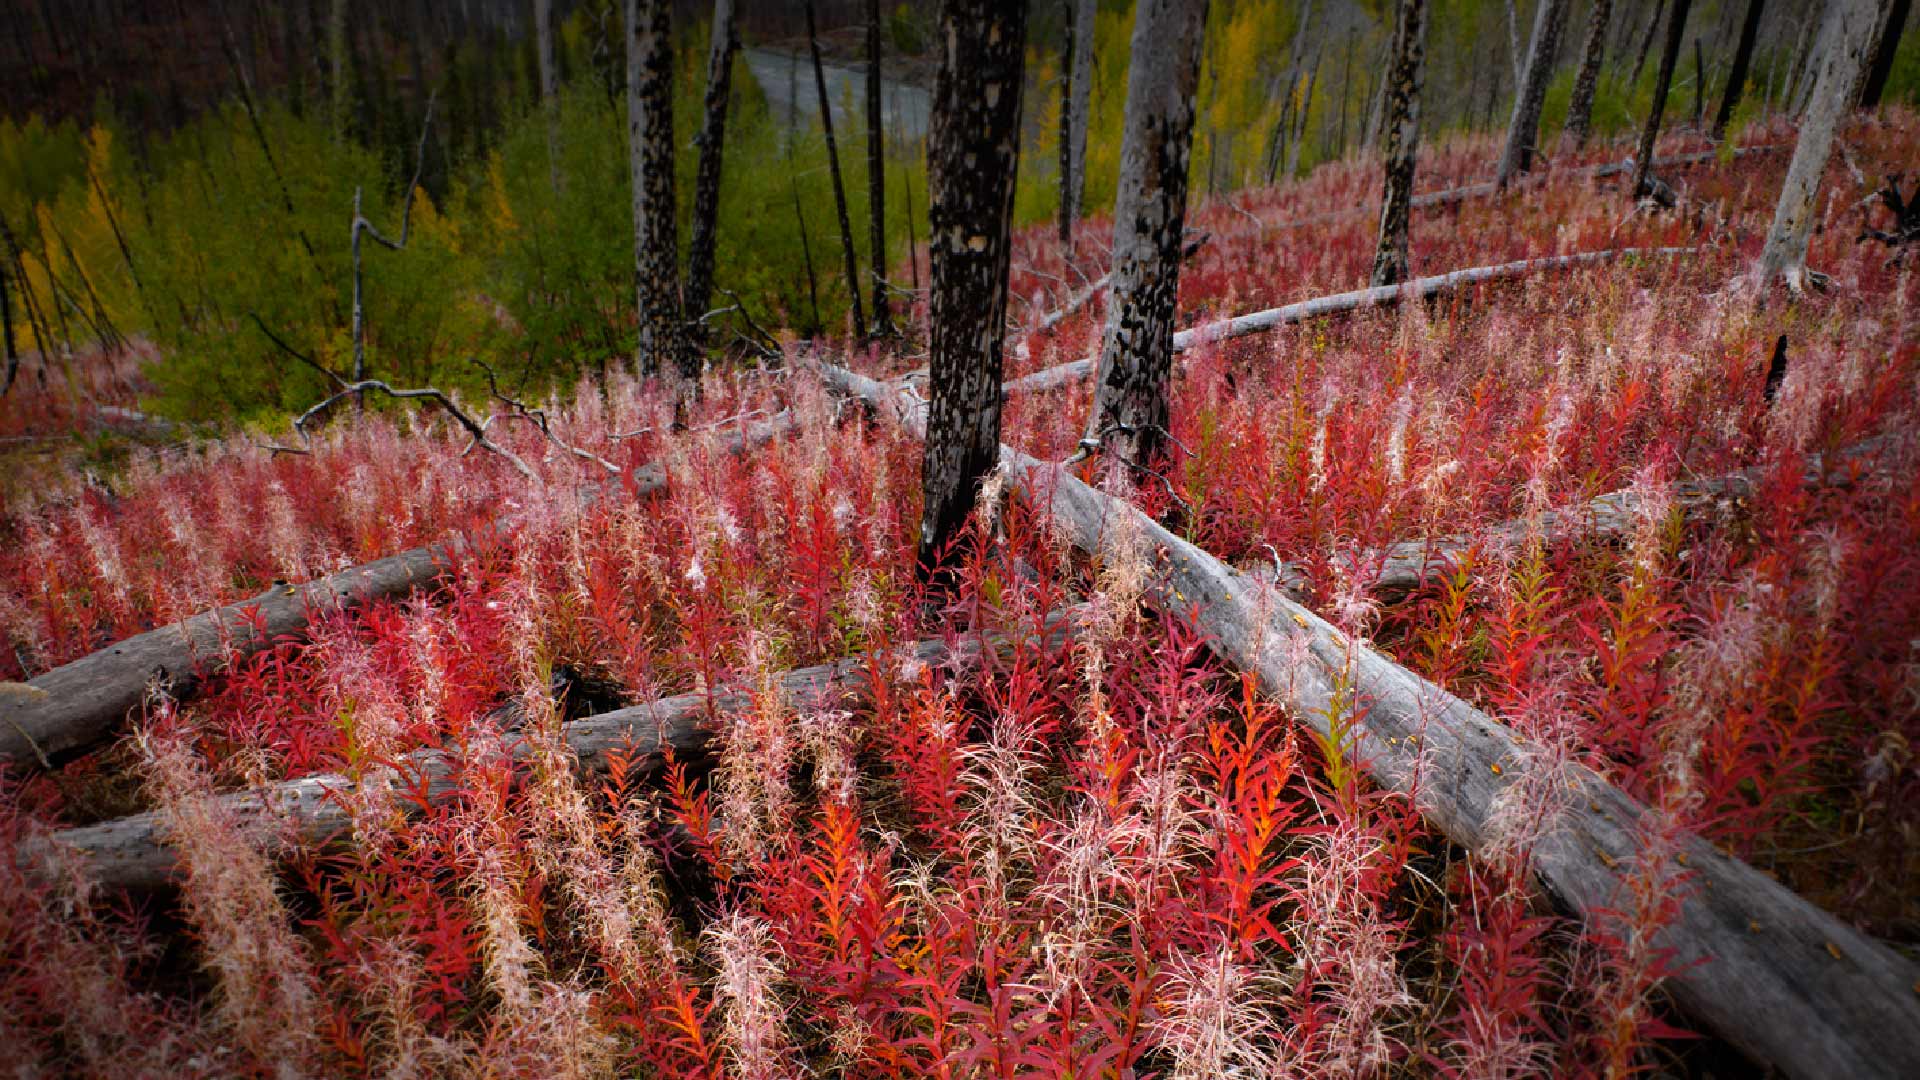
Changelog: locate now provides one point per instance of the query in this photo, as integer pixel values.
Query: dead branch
(473, 427)
(538, 418)
(1789, 984)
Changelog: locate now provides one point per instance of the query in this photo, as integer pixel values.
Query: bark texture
(1580, 109)
(973, 152)
(656, 243)
(1129, 412)
(1742, 63)
(1783, 981)
(839, 188)
(1523, 133)
(1840, 65)
(1886, 43)
(1403, 141)
(876, 180)
(1650, 131)
(1075, 106)
(722, 44)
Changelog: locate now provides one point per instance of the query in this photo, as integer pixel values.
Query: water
(787, 81)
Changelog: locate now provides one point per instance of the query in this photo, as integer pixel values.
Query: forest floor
(1006, 849)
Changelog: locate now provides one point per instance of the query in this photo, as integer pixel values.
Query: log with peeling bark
(78, 705)
(1786, 983)
(309, 813)
(1273, 318)
(1402, 567)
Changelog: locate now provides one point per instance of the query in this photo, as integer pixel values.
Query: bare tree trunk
(1149, 214)
(973, 153)
(6, 331)
(1699, 84)
(549, 85)
(1514, 56)
(1887, 42)
(1646, 42)
(1300, 119)
(1806, 52)
(1580, 109)
(1742, 62)
(656, 242)
(723, 43)
(876, 179)
(1531, 95)
(342, 88)
(1840, 66)
(1403, 141)
(1076, 114)
(1283, 126)
(839, 189)
(1650, 131)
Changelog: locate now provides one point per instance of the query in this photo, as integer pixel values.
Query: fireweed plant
(1079, 846)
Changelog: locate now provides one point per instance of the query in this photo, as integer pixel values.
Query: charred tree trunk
(876, 179)
(1839, 67)
(341, 91)
(724, 42)
(1580, 109)
(1075, 111)
(1650, 131)
(6, 332)
(1887, 44)
(1523, 134)
(1149, 213)
(839, 189)
(973, 152)
(1742, 63)
(1403, 141)
(549, 86)
(656, 243)
(1646, 42)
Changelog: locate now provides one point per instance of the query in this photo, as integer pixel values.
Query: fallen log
(78, 705)
(1785, 982)
(1402, 567)
(1338, 303)
(297, 815)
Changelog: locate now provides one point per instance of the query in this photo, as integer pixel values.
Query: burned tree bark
(973, 152)
(876, 180)
(6, 332)
(1403, 141)
(549, 86)
(656, 242)
(724, 42)
(1742, 62)
(1523, 133)
(1580, 109)
(1887, 42)
(1650, 131)
(839, 189)
(1075, 112)
(1842, 61)
(1129, 413)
